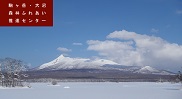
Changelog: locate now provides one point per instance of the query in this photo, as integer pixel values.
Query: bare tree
(1, 76)
(10, 72)
(179, 76)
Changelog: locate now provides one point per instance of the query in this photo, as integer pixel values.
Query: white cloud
(62, 49)
(154, 30)
(78, 44)
(179, 11)
(136, 49)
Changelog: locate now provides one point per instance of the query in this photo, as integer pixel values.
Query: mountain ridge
(63, 62)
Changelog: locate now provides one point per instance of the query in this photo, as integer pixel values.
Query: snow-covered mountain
(63, 62)
(150, 70)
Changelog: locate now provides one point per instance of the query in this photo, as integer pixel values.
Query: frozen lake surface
(103, 90)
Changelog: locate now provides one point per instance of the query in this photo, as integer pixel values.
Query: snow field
(103, 90)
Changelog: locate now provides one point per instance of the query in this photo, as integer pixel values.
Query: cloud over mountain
(179, 11)
(78, 44)
(130, 48)
(62, 49)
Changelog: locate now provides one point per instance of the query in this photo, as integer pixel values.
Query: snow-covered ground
(104, 90)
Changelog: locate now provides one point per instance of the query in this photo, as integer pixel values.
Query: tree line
(11, 72)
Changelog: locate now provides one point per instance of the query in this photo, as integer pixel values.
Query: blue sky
(77, 21)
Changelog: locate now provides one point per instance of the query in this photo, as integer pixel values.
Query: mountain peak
(148, 69)
(151, 70)
(61, 56)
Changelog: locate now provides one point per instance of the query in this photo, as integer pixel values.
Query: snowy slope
(150, 70)
(63, 62)
(146, 69)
